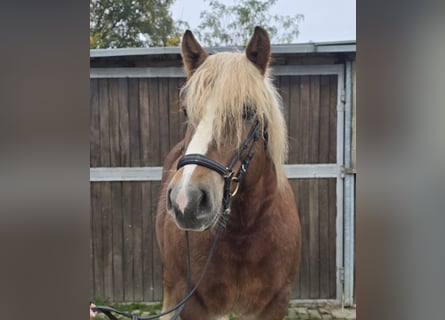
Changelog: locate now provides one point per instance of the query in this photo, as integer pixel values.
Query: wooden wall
(134, 122)
(311, 111)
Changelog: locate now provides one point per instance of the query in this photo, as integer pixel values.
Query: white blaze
(199, 144)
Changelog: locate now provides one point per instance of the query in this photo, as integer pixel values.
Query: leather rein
(229, 177)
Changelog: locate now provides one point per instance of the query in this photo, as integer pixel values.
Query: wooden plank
(127, 241)
(137, 72)
(96, 229)
(323, 206)
(124, 123)
(323, 154)
(157, 265)
(333, 119)
(294, 118)
(107, 238)
(303, 186)
(94, 124)
(118, 259)
(283, 90)
(332, 158)
(314, 119)
(173, 111)
(292, 171)
(115, 158)
(133, 116)
(323, 157)
(304, 129)
(314, 249)
(147, 241)
(144, 122)
(332, 237)
(105, 189)
(289, 70)
(137, 241)
(163, 106)
(314, 126)
(153, 115)
(175, 72)
(332, 194)
(296, 292)
(128, 174)
(104, 124)
(96, 240)
(303, 208)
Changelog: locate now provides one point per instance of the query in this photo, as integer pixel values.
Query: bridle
(227, 173)
(229, 177)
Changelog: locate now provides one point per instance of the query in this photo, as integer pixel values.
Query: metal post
(349, 195)
(340, 184)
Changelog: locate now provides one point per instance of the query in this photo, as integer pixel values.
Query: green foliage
(231, 25)
(138, 23)
(132, 23)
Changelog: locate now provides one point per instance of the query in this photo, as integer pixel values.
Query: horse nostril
(169, 199)
(204, 205)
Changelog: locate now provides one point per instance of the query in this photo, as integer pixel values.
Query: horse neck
(251, 201)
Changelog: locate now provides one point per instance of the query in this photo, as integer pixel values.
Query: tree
(232, 25)
(132, 23)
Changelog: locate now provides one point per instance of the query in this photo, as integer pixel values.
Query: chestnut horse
(228, 171)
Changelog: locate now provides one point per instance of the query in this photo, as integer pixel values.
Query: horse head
(229, 100)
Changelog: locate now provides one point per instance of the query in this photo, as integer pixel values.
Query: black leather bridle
(227, 172)
(229, 177)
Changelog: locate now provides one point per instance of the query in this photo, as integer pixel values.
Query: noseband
(227, 172)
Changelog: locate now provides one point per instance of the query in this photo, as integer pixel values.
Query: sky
(324, 20)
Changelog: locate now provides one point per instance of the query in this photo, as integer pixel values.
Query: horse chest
(248, 272)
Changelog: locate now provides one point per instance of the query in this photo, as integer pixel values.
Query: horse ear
(193, 55)
(258, 49)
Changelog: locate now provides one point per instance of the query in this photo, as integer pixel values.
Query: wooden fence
(135, 122)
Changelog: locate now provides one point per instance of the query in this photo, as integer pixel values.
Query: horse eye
(248, 112)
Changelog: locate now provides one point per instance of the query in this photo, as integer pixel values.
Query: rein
(229, 177)
(178, 308)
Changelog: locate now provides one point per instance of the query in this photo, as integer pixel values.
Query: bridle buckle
(236, 181)
(228, 174)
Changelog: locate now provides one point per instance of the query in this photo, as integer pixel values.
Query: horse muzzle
(192, 206)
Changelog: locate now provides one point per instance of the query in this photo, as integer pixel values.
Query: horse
(228, 174)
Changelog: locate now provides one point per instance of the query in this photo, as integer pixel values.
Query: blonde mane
(232, 82)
